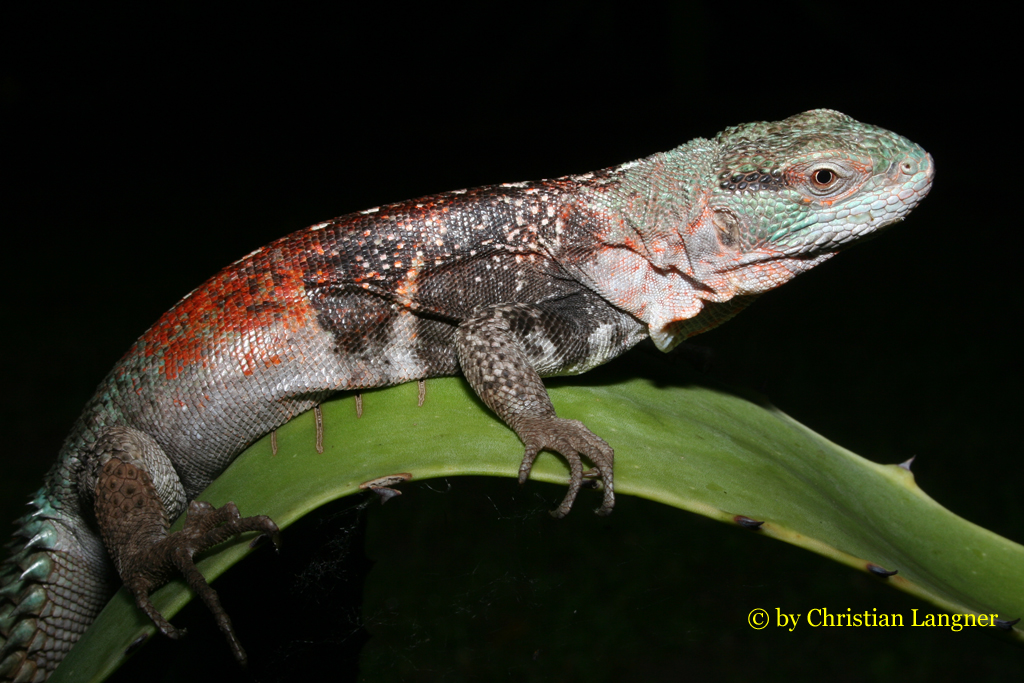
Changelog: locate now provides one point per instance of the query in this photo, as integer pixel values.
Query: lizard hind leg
(132, 514)
(205, 527)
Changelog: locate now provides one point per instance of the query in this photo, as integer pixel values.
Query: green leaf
(679, 440)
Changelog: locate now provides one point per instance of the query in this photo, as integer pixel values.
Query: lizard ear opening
(727, 227)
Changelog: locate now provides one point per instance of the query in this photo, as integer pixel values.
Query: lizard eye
(823, 178)
(826, 179)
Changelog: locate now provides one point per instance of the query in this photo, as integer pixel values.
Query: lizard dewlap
(503, 284)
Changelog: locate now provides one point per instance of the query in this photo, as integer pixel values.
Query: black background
(143, 149)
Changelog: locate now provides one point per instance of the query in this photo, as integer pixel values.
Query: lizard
(504, 284)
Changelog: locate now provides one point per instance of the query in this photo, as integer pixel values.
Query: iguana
(504, 284)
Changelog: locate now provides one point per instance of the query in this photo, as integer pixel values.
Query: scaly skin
(504, 284)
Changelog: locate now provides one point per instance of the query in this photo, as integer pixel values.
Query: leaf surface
(678, 439)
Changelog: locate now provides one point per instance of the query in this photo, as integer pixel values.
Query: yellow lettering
(981, 620)
(914, 618)
(956, 622)
(970, 620)
(809, 617)
(785, 620)
(943, 620)
(895, 618)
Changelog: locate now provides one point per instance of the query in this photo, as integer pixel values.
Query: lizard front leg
(132, 513)
(499, 356)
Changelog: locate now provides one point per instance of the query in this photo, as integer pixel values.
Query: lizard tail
(51, 588)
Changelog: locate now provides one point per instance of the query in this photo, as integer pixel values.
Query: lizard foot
(571, 439)
(205, 527)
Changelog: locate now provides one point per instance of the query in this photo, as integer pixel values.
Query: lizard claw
(571, 439)
(205, 527)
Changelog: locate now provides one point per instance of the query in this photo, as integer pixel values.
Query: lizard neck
(629, 231)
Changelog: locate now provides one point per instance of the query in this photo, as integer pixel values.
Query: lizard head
(743, 213)
(808, 185)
